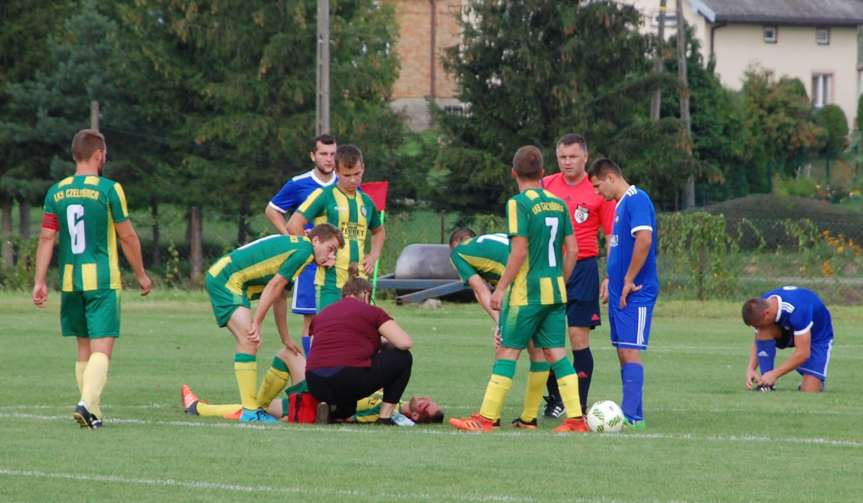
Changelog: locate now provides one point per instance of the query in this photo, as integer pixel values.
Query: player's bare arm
(752, 375)
(277, 218)
(131, 246)
(379, 235)
(296, 224)
(571, 246)
(280, 314)
(802, 351)
(643, 240)
(272, 293)
(517, 256)
(44, 252)
(483, 295)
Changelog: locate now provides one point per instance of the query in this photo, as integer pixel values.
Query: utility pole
(656, 99)
(94, 115)
(689, 189)
(322, 103)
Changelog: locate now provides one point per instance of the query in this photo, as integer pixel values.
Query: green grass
(708, 438)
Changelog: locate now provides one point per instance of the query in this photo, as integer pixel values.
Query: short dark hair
(601, 167)
(325, 232)
(753, 311)
(572, 139)
(436, 417)
(325, 139)
(460, 235)
(527, 163)
(85, 143)
(348, 156)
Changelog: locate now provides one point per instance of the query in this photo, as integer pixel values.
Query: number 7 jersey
(83, 210)
(543, 219)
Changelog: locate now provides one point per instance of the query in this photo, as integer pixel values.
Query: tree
(831, 119)
(778, 117)
(532, 70)
(24, 36)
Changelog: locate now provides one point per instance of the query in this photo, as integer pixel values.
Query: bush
(759, 220)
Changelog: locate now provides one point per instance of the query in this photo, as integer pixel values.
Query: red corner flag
(378, 192)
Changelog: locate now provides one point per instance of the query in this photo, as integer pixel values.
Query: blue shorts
(304, 291)
(582, 294)
(819, 359)
(630, 326)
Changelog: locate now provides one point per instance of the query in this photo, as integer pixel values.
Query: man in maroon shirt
(348, 360)
(589, 212)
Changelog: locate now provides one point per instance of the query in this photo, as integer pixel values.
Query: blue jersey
(634, 213)
(298, 188)
(801, 311)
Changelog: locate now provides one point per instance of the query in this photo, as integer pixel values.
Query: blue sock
(632, 376)
(766, 353)
(307, 345)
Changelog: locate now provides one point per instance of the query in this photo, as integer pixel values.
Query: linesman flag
(378, 192)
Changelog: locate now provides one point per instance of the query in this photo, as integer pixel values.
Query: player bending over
(480, 260)
(789, 317)
(535, 305)
(263, 268)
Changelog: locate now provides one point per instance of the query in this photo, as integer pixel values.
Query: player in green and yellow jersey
(532, 295)
(352, 212)
(263, 268)
(89, 213)
(480, 262)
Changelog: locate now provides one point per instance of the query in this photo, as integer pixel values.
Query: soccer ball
(605, 417)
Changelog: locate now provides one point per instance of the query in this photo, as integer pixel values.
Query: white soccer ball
(605, 417)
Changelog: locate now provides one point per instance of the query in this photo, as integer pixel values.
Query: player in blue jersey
(632, 285)
(291, 196)
(789, 317)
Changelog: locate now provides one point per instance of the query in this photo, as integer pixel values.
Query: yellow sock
(246, 371)
(93, 382)
(536, 379)
(214, 410)
(569, 393)
(275, 380)
(495, 395)
(79, 375)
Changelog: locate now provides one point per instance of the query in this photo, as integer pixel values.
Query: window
(670, 20)
(822, 89)
(771, 34)
(822, 36)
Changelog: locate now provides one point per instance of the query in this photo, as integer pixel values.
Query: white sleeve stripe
(641, 228)
(273, 206)
(808, 327)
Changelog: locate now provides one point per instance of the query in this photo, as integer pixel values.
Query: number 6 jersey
(83, 210)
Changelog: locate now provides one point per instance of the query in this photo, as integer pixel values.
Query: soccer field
(708, 439)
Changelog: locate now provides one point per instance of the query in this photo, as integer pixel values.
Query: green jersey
(83, 210)
(484, 255)
(543, 219)
(353, 215)
(249, 268)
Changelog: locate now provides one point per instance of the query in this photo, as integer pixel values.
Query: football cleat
(526, 425)
(635, 425)
(85, 418)
(573, 424)
(257, 416)
(190, 400)
(553, 407)
(766, 388)
(475, 422)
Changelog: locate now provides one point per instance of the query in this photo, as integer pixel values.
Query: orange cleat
(573, 424)
(475, 422)
(190, 400)
(234, 416)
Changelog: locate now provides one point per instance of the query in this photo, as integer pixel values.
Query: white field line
(436, 432)
(216, 486)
